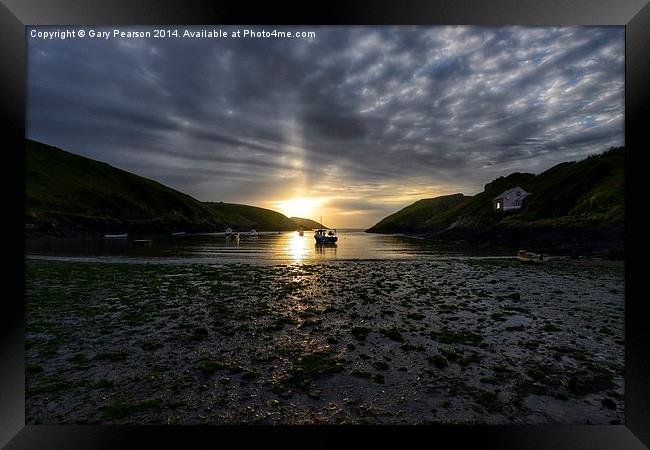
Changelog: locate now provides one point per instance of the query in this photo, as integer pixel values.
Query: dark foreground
(439, 341)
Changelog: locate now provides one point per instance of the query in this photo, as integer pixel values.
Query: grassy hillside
(478, 208)
(244, 217)
(69, 195)
(414, 218)
(307, 224)
(579, 201)
(591, 190)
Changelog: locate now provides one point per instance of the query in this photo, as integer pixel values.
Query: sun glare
(298, 246)
(298, 207)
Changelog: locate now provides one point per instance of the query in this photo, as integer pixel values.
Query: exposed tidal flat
(406, 342)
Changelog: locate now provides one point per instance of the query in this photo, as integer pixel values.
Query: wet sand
(408, 342)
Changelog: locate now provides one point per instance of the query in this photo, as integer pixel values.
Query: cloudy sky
(352, 124)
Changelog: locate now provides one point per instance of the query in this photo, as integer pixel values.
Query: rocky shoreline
(448, 341)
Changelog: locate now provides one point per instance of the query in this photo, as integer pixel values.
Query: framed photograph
(367, 221)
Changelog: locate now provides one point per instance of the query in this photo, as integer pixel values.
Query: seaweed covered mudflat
(436, 341)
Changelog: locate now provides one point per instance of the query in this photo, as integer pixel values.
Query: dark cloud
(440, 109)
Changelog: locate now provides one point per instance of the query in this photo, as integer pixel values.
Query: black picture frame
(16, 14)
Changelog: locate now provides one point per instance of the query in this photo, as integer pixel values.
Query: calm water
(286, 247)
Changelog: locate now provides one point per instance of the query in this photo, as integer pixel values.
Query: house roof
(512, 191)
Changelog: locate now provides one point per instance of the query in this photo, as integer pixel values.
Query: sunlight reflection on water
(281, 248)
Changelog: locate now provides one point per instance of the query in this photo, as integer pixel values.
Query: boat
(116, 236)
(228, 231)
(301, 232)
(179, 233)
(252, 233)
(324, 236)
(528, 257)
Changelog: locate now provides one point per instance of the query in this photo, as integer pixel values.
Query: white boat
(252, 233)
(228, 231)
(179, 233)
(116, 236)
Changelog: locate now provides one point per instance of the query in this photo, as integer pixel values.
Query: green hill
(577, 205)
(307, 224)
(244, 217)
(68, 195)
(414, 218)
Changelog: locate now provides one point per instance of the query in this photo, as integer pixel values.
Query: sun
(297, 207)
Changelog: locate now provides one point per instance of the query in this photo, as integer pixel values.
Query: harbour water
(277, 330)
(265, 248)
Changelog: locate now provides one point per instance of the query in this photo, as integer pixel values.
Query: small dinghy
(528, 257)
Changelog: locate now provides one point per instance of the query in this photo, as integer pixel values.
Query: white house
(510, 199)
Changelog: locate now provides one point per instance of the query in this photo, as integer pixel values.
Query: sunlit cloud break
(352, 124)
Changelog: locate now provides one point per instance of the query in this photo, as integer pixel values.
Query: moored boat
(228, 232)
(324, 236)
(529, 257)
(116, 236)
(179, 233)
